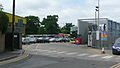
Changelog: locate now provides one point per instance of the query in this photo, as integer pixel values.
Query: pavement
(99, 51)
(91, 49)
(10, 55)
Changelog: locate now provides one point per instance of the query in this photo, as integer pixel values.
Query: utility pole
(13, 22)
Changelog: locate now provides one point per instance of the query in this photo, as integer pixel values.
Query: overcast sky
(69, 11)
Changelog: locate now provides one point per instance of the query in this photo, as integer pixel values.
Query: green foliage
(50, 24)
(66, 29)
(74, 34)
(33, 24)
(42, 30)
(3, 22)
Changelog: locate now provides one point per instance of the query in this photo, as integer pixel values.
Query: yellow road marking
(116, 66)
(15, 59)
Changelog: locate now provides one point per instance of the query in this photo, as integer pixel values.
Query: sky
(69, 11)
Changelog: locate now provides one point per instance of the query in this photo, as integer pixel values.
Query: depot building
(108, 32)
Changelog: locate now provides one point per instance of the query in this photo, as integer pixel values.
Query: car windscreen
(117, 44)
(117, 41)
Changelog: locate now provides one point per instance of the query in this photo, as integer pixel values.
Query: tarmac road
(61, 55)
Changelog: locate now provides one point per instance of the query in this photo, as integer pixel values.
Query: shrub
(3, 22)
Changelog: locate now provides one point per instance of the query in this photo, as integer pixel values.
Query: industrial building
(92, 33)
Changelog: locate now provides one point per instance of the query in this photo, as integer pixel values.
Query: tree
(42, 30)
(66, 28)
(33, 24)
(50, 24)
(1, 7)
(3, 22)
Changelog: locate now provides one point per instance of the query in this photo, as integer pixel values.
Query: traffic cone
(103, 51)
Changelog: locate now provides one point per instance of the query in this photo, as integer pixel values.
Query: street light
(98, 37)
(98, 9)
(95, 16)
(13, 20)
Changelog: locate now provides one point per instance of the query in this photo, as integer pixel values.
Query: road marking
(36, 46)
(15, 59)
(107, 57)
(27, 47)
(61, 52)
(71, 53)
(42, 50)
(51, 51)
(94, 55)
(84, 54)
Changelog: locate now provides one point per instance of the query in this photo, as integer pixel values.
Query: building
(83, 30)
(88, 28)
(19, 23)
(5, 39)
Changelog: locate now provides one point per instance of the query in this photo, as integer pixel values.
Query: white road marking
(37, 46)
(51, 51)
(61, 52)
(107, 57)
(71, 53)
(84, 54)
(94, 55)
(42, 50)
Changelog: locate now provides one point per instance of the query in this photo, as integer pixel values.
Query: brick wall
(2, 42)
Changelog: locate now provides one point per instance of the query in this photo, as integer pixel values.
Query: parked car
(52, 40)
(25, 40)
(67, 39)
(72, 41)
(43, 40)
(116, 47)
(59, 39)
(40, 40)
(32, 39)
(46, 40)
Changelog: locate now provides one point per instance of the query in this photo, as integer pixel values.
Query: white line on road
(84, 54)
(36, 46)
(43, 50)
(94, 55)
(107, 57)
(71, 53)
(51, 51)
(61, 52)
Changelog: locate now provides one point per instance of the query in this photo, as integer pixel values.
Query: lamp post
(98, 13)
(95, 16)
(13, 20)
(98, 37)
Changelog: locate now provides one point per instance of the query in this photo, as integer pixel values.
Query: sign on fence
(103, 35)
